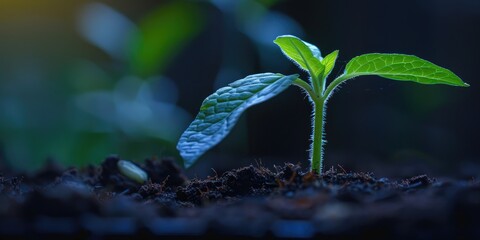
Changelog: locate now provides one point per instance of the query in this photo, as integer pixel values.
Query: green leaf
(314, 49)
(329, 63)
(400, 67)
(220, 111)
(306, 55)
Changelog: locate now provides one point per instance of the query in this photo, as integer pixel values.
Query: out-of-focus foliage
(80, 107)
(79, 81)
(163, 33)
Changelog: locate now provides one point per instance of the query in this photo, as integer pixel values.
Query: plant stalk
(317, 137)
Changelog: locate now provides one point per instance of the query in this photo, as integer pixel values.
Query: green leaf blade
(329, 63)
(307, 56)
(221, 110)
(401, 67)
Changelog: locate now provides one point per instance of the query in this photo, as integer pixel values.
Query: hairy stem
(305, 86)
(335, 83)
(319, 102)
(316, 153)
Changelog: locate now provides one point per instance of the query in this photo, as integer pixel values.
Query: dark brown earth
(249, 202)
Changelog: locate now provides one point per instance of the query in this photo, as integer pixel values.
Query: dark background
(80, 81)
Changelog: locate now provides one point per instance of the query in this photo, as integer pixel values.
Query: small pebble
(132, 171)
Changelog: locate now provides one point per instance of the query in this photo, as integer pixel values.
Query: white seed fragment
(132, 171)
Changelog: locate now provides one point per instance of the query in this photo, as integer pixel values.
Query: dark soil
(249, 202)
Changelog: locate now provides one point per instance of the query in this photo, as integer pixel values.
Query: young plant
(220, 111)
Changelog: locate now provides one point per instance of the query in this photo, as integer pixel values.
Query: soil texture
(250, 202)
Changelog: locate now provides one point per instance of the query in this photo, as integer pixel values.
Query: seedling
(220, 111)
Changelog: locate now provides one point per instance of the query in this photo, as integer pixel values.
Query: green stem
(334, 84)
(316, 149)
(317, 137)
(305, 86)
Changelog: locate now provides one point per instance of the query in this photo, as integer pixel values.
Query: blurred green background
(80, 80)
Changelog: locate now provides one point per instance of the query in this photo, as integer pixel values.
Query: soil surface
(249, 202)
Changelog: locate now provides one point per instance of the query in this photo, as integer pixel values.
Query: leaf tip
(466, 84)
(188, 160)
